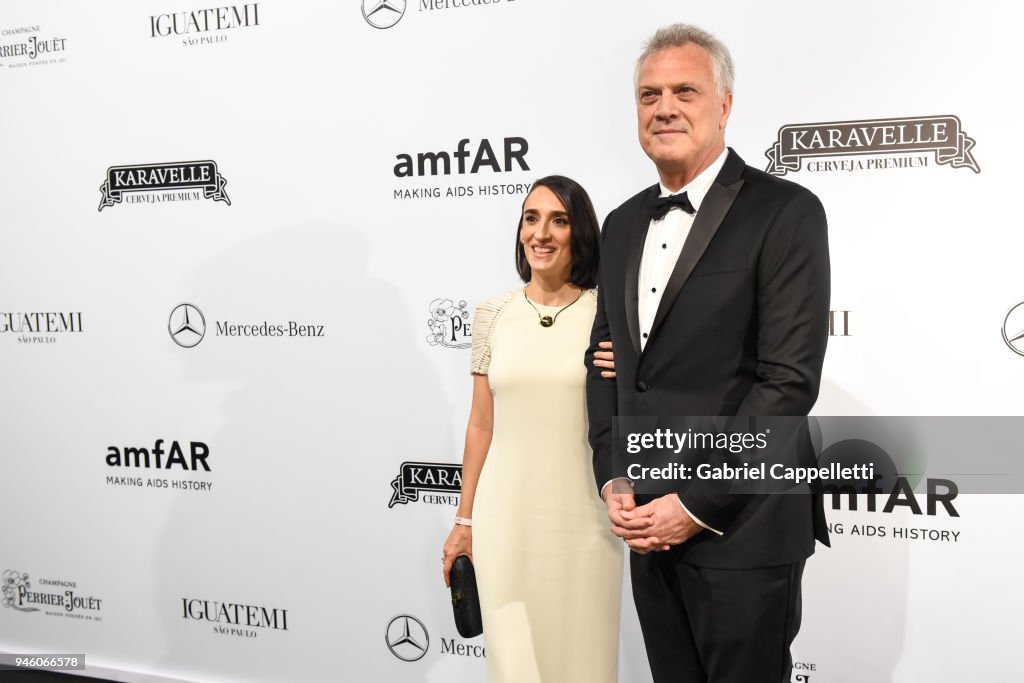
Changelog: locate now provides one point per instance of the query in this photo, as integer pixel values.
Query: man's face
(680, 115)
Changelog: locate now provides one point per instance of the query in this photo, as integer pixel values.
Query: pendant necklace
(547, 320)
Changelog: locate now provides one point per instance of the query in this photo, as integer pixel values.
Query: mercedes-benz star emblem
(186, 325)
(1013, 329)
(407, 638)
(383, 13)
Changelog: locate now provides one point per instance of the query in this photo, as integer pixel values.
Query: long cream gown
(548, 567)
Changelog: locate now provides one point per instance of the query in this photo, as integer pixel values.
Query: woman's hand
(605, 359)
(460, 542)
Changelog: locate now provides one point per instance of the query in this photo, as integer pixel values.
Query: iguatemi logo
(40, 327)
(442, 483)
(915, 140)
(449, 325)
(204, 26)
(157, 183)
(233, 618)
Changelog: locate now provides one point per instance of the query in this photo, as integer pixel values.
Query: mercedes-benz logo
(407, 638)
(186, 325)
(383, 13)
(1013, 329)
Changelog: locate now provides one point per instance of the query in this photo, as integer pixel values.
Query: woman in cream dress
(548, 567)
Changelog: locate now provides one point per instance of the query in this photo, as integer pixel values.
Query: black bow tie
(663, 204)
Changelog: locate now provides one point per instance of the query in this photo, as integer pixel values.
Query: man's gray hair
(678, 35)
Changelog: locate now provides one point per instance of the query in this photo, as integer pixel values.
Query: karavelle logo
(187, 326)
(383, 13)
(415, 478)
(158, 183)
(906, 142)
(407, 638)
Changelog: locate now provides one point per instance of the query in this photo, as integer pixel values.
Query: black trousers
(705, 625)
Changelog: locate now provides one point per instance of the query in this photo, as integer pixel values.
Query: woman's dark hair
(584, 236)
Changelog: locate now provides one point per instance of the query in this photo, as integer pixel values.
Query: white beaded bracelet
(464, 521)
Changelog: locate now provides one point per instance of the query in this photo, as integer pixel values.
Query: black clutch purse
(465, 598)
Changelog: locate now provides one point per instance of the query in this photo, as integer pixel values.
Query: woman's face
(545, 233)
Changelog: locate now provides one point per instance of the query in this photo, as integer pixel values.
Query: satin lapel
(639, 222)
(712, 212)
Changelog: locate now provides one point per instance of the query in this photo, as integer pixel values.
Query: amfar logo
(416, 477)
(142, 458)
(186, 325)
(942, 135)
(179, 181)
(433, 163)
(204, 22)
(449, 325)
(940, 495)
(883, 481)
(1013, 329)
(407, 638)
(462, 161)
(131, 456)
(383, 13)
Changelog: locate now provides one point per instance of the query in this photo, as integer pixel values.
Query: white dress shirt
(664, 243)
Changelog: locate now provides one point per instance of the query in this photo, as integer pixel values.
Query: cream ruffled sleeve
(484, 320)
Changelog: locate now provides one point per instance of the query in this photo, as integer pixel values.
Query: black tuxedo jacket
(741, 330)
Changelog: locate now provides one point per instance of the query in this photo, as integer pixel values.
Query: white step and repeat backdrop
(240, 247)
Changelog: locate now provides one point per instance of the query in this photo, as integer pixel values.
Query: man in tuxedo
(714, 290)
